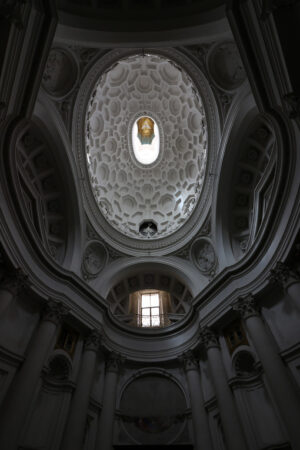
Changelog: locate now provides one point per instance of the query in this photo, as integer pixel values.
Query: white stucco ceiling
(127, 192)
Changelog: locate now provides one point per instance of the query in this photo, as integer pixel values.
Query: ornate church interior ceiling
(149, 225)
(128, 192)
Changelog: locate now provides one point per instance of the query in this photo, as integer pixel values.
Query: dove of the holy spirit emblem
(145, 130)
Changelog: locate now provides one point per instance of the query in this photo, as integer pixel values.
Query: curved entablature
(244, 204)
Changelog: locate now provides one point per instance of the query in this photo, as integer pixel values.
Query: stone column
(202, 436)
(284, 392)
(17, 402)
(11, 285)
(234, 436)
(74, 432)
(106, 422)
(289, 280)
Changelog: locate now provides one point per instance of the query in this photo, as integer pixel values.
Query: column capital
(54, 311)
(14, 281)
(114, 362)
(189, 360)
(284, 275)
(246, 306)
(93, 340)
(208, 338)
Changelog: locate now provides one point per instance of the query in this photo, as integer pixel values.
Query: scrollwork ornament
(92, 341)
(208, 338)
(54, 311)
(284, 275)
(246, 307)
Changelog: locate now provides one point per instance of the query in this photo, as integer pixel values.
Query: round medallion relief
(203, 255)
(226, 67)
(61, 73)
(94, 259)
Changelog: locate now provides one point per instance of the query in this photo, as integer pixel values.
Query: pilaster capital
(284, 275)
(208, 338)
(14, 281)
(92, 341)
(246, 306)
(54, 311)
(189, 361)
(114, 362)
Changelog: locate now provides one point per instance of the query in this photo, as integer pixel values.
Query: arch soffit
(183, 271)
(64, 177)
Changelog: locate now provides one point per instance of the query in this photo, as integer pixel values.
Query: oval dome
(146, 146)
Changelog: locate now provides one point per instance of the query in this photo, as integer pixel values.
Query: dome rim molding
(187, 231)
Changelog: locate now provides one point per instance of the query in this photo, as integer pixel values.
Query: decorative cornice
(54, 311)
(208, 338)
(284, 275)
(92, 341)
(246, 306)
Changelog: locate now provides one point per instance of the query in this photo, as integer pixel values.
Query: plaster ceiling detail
(129, 193)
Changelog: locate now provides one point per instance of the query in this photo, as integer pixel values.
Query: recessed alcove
(149, 301)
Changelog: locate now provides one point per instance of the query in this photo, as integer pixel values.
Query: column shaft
(74, 433)
(106, 423)
(278, 378)
(199, 415)
(234, 436)
(15, 407)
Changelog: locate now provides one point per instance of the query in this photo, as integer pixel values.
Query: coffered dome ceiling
(146, 200)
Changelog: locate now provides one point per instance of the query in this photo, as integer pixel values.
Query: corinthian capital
(189, 360)
(114, 362)
(246, 306)
(54, 311)
(208, 338)
(14, 281)
(283, 275)
(92, 341)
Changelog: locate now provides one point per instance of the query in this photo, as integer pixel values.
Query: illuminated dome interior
(146, 186)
